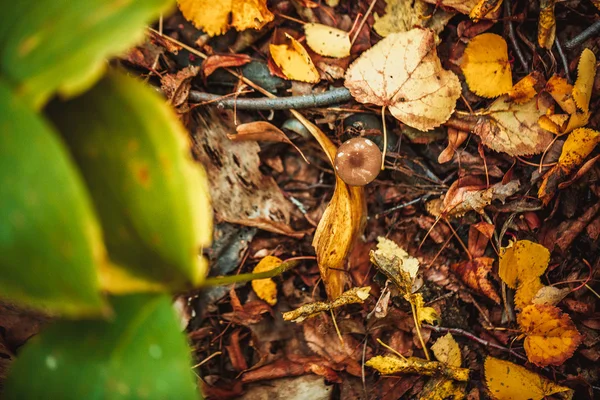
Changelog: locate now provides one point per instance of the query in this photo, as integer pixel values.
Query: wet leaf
(327, 41)
(390, 364)
(508, 381)
(396, 264)
(266, 289)
(513, 128)
(352, 296)
(403, 73)
(550, 336)
(213, 17)
(486, 67)
(294, 61)
(546, 24)
(586, 72)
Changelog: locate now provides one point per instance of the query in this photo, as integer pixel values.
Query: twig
(583, 36)
(563, 59)
(469, 335)
(511, 34)
(362, 22)
(331, 97)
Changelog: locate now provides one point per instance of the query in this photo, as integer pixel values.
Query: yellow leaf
(461, 6)
(577, 120)
(403, 73)
(327, 41)
(522, 261)
(387, 365)
(402, 16)
(550, 336)
(484, 7)
(547, 123)
(486, 67)
(513, 128)
(526, 291)
(213, 16)
(526, 88)
(441, 389)
(266, 289)
(586, 72)
(508, 381)
(352, 296)
(294, 61)
(396, 264)
(562, 92)
(427, 314)
(546, 24)
(446, 350)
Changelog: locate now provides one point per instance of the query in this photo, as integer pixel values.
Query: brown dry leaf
(508, 381)
(580, 143)
(527, 88)
(460, 200)
(486, 67)
(455, 139)
(550, 336)
(396, 264)
(341, 224)
(294, 61)
(586, 72)
(214, 62)
(327, 41)
(546, 24)
(522, 261)
(513, 128)
(403, 73)
(177, 86)
(390, 364)
(213, 16)
(561, 91)
(263, 131)
(241, 194)
(474, 273)
(266, 289)
(352, 296)
(484, 7)
(550, 295)
(402, 16)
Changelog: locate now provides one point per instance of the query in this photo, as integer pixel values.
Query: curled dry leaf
(562, 92)
(460, 200)
(213, 16)
(546, 24)
(241, 194)
(402, 16)
(352, 296)
(508, 381)
(550, 336)
(387, 365)
(214, 62)
(294, 61)
(327, 41)
(396, 264)
(266, 289)
(177, 86)
(513, 128)
(455, 139)
(486, 67)
(474, 273)
(403, 73)
(580, 143)
(586, 72)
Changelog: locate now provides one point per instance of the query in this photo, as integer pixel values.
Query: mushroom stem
(384, 138)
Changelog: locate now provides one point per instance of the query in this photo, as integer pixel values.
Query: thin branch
(563, 59)
(583, 36)
(331, 97)
(512, 36)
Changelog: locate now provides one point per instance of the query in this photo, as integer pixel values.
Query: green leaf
(141, 354)
(50, 45)
(50, 242)
(151, 196)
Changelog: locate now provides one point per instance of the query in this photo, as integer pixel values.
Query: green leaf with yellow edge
(390, 364)
(140, 354)
(50, 46)
(508, 381)
(50, 240)
(152, 198)
(266, 289)
(522, 261)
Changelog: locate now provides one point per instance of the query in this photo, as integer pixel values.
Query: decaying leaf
(484, 7)
(446, 350)
(508, 381)
(461, 199)
(213, 16)
(352, 296)
(294, 61)
(390, 364)
(461, 6)
(486, 67)
(527, 88)
(176, 87)
(241, 194)
(455, 139)
(550, 295)
(474, 273)
(550, 336)
(424, 314)
(327, 41)
(580, 143)
(396, 264)
(586, 72)
(266, 289)
(402, 16)
(403, 73)
(546, 24)
(513, 128)
(216, 61)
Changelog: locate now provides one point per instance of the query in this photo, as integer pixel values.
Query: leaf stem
(418, 328)
(385, 139)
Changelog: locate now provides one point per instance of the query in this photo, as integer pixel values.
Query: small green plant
(103, 210)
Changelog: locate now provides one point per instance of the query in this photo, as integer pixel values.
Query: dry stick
(511, 34)
(362, 22)
(384, 138)
(469, 335)
(563, 59)
(583, 36)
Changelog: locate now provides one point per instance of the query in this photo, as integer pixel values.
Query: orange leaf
(546, 24)
(561, 91)
(550, 336)
(527, 88)
(474, 273)
(486, 67)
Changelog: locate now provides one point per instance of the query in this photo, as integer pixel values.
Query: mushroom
(358, 161)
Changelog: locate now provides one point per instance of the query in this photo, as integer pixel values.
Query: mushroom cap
(358, 161)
